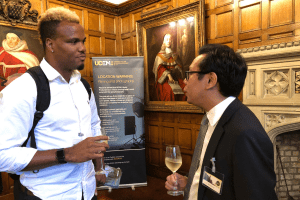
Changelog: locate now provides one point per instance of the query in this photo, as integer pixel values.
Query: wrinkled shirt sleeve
(16, 119)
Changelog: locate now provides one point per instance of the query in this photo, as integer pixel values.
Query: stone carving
(17, 12)
(297, 82)
(277, 83)
(252, 82)
(274, 119)
(269, 47)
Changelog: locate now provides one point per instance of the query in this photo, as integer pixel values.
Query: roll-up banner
(119, 94)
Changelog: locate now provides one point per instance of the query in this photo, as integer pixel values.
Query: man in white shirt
(66, 137)
(236, 158)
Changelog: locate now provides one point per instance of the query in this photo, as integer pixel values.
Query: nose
(82, 47)
(185, 81)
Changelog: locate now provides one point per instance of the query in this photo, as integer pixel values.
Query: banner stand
(119, 95)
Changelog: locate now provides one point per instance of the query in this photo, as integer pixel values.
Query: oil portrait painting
(20, 49)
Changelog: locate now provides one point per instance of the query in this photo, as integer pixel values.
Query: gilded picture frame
(151, 34)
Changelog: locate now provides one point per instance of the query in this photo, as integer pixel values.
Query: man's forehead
(197, 61)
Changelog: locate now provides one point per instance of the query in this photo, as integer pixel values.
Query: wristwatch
(60, 156)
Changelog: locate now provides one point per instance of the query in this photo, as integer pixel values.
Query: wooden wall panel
(220, 3)
(94, 21)
(126, 47)
(281, 12)
(125, 24)
(250, 18)
(185, 138)
(224, 24)
(109, 25)
(297, 8)
(154, 156)
(135, 16)
(168, 135)
(110, 47)
(95, 45)
(153, 136)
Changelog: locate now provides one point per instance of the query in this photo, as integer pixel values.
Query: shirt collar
(216, 112)
(52, 74)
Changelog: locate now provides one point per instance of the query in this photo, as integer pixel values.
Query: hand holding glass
(173, 162)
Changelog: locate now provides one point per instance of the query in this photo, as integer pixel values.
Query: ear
(49, 44)
(212, 80)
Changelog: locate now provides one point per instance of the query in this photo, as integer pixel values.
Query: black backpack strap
(87, 86)
(42, 100)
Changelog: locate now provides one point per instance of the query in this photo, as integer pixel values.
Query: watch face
(60, 156)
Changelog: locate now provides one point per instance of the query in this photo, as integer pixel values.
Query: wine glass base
(175, 193)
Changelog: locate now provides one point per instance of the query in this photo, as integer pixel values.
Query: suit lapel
(214, 140)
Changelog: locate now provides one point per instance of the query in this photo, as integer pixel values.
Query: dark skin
(66, 53)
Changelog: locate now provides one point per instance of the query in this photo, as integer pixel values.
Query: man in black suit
(243, 163)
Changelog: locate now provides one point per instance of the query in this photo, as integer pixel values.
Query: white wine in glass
(173, 162)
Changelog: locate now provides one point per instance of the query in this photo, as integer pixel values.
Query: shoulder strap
(87, 86)
(42, 101)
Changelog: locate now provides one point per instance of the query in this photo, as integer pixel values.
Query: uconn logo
(103, 63)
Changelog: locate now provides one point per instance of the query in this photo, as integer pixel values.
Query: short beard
(80, 67)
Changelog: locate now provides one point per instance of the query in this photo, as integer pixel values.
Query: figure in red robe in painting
(168, 73)
(15, 57)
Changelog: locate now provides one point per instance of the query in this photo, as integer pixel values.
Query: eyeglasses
(187, 73)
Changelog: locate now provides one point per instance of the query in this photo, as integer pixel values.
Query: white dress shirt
(213, 117)
(70, 113)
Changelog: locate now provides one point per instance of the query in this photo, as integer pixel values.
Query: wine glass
(173, 162)
(103, 133)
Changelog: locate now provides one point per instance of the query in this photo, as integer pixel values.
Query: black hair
(230, 68)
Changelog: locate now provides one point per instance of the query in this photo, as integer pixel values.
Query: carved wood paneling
(250, 17)
(135, 16)
(224, 24)
(220, 3)
(126, 47)
(125, 24)
(109, 25)
(110, 47)
(185, 138)
(281, 12)
(94, 21)
(95, 44)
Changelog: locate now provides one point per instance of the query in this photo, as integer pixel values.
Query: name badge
(213, 180)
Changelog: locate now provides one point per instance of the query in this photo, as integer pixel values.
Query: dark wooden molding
(154, 11)
(113, 9)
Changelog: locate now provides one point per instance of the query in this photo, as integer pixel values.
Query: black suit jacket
(244, 155)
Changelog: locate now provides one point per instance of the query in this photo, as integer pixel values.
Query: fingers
(100, 137)
(171, 183)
